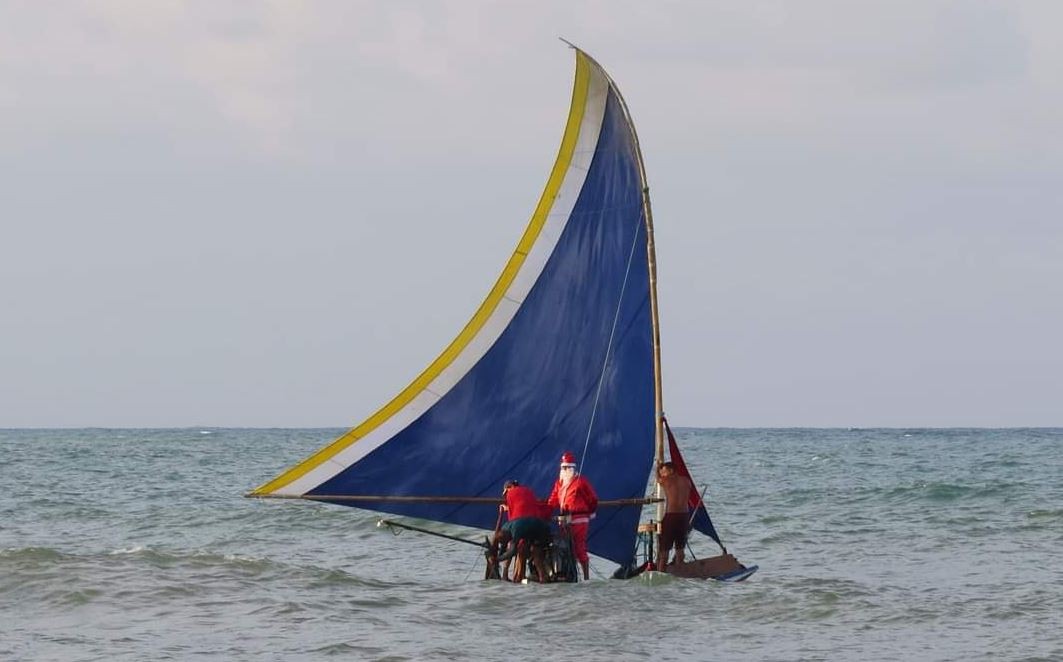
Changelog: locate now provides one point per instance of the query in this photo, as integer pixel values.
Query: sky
(278, 213)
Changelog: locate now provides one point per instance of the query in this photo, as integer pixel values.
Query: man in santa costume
(575, 497)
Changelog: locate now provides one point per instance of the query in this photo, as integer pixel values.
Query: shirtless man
(676, 522)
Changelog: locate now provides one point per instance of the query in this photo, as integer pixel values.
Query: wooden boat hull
(721, 568)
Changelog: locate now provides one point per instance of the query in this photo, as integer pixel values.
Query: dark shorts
(674, 530)
(528, 528)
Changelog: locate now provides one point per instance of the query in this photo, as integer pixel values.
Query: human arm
(554, 500)
(590, 497)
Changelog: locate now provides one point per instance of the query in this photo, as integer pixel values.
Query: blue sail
(559, 357)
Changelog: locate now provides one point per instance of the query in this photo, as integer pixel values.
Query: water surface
(873, 544)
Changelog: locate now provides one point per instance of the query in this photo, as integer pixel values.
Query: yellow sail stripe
(531, 234)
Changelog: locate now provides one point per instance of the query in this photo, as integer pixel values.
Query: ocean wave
(200, 559)
(36, 561)
(1045, 514)
(346, 649)
(140, 578)
(31, 554)
(941, 491)
(918, 491)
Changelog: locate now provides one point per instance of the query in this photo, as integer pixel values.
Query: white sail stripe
(525, 279)
(478, 346)
(421, 403)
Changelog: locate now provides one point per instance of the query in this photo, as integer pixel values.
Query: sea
(873, 544)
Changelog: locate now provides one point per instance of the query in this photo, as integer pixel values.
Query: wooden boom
(370, 498)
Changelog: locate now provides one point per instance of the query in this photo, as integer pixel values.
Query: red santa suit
(579, 500)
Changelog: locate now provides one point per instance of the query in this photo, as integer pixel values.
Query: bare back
(677, 492)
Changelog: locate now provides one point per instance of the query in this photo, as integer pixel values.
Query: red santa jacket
(578, 498)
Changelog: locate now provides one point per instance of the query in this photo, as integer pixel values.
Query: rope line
(472, 565)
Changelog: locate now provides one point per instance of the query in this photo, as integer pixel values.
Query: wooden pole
(377, 498)
(410, 527)
(492, 556)
(380, 498)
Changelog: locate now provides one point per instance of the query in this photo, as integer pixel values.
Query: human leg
(579, 548)
(673, 535)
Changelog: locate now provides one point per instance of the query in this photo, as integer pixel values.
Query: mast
(651, 260)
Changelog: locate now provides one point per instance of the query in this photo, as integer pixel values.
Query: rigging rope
(609, 345)
(479, 557)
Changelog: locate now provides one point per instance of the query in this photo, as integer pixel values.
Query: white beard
(566, 478)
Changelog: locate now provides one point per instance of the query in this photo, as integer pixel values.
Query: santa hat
(568, 459)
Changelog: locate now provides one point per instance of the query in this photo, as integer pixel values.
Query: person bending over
(525, 532)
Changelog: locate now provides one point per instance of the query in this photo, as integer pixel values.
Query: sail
(558, 357)
(701, 520)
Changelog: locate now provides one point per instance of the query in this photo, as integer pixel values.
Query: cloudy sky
(276, 214)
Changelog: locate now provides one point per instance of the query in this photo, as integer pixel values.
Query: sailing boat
(564, 354)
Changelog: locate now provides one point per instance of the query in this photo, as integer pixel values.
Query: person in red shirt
(525, 532)
(520, 501)
(575, 497)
